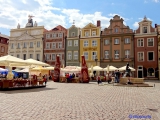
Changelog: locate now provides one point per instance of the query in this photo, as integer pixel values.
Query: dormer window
(86, 34)
(144, 29)
(73, 34)
(93, 33)
(116, 30)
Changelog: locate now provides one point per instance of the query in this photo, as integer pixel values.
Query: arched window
(151, 72)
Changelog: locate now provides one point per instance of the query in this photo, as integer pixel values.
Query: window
(47, 35)
(12, 46)
(24, 45)
(53, 56)
(59, 45)
(53, 45)
(31, 44)
(127, 41)
(2, 49)
(94, 42)
(75, 55)
(69, 55)
(86, 55)
(94, 54)
(38, 43)
(106, 54)
(18, 56)
(127, 53)
(69, 42)
(140, 56)
(116, 54)
(54, 35)
(144, 29)
(150, 56)
(30, 55)
(75, 42)
(116, 30)
(140, 43)
(93, 33)
(116, 41)
(47, 56)
(106, 42)
(60, 34)
(60, 56)
(86, 34)
(18, 45)
(85, 43)
(150, 42)
(150, 72)
(47, 45)
(73, 34)
(24, 56)
(38, 57)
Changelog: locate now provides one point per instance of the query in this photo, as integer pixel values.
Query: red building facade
(54, 44)
(146, 47)
(3, 44)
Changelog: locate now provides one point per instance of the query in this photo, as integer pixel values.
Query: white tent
(96, 68)
(124, 68)
(110, 68)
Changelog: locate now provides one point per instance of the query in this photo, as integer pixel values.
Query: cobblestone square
(74, 101)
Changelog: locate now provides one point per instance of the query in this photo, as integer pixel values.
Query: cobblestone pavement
(73, 101)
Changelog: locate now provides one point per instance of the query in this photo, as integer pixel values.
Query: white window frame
(24, 45)
(31, 44)
(116, 55)
(148, 55)
(12, 45)
(127, 54)
(106, 54)
(116, 30)
(148, 74)
(140, 59)
(55, 35)
(94, 42)
(86, 55)
(116, 41)
(106, 42)
(60, 35)
(93, 33)
(31, 56)
(53, 45)
(94, 56)
(86, 33)
(18, 45)
(47, 45)
(140, 40)
(60, 45)
(75, 42)
(85, 43)
(73, 34)
(69, 55)
(47, 56)
(47, 35)
(75, 55)
(127, 40)
(143, 29)
(148, 40)
(53, 56)
(38, 44)
(70, 43)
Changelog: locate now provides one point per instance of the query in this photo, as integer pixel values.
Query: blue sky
(50, 13)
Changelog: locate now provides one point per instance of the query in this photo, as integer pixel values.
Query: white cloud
(24, 1)
(156, 1)
(136, 25)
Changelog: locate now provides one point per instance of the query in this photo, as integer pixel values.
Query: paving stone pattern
(72, 101)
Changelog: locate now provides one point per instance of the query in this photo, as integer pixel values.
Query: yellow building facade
(90, 44)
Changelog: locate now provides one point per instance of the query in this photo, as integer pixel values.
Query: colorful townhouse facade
(73, 46)
(90, 44)
(117, 44)
(146, 50)
(3, 44)
(54, 44)
(158, 31)
(27, 42)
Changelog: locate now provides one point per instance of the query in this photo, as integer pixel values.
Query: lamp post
(96, 60)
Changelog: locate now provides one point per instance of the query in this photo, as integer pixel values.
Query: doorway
(140, 72)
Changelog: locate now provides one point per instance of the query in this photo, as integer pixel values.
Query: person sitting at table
(73, 75)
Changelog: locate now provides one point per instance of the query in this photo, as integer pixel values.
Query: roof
(4, 36)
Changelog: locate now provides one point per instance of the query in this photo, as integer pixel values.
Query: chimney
(98, 23)
(155, 25)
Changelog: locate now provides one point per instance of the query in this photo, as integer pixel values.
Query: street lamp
(96, 60)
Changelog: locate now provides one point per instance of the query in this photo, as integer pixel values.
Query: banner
(84, 71)
(56, 73)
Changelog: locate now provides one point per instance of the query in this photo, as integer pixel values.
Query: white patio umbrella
(50, 68)
(110, 68)
(124, 68)
(96, 68)
(35, 62)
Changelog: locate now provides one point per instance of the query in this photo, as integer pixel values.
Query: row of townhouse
(115, 45)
